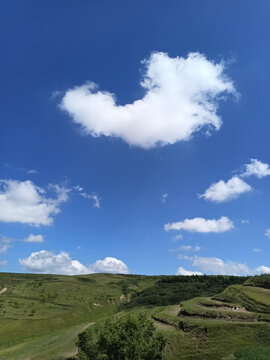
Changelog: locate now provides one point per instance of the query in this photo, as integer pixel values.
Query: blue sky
(135, 137)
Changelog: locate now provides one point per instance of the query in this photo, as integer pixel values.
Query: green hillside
(203, 317)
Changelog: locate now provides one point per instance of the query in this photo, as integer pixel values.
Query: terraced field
(216, 328)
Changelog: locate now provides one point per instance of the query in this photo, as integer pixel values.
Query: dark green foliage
(127, 338)
(170, 290)
(253, 353)
(260, 281)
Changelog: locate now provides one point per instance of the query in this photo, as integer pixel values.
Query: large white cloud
(224, 191)
(256, 168)
(46, 262)
(214, 265)
(26, 203)
(202, 225)
(182, 271)
(181, 97)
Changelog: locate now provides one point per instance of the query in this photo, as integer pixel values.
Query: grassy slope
(207, 328)
(40, 305)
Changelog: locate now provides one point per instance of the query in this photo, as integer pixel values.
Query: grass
(41, 315)
(35, 306)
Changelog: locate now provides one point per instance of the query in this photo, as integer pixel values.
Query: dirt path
(3, 291)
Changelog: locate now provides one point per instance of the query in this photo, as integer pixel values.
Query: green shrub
(127, 338)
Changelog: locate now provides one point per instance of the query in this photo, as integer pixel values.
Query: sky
(134, 137)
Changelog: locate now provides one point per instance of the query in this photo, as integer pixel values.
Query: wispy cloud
(217, 266)
(96, 199)
(21, 169)
(34, 238)
(164, 198)
(177, 237)
(5, 244)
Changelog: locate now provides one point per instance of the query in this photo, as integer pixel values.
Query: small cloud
(5, 244)
(55, 94)
(202, 225)
(225, 191)
(32, 171)
(182, 271)
(256, 168)
(78, 247)
(177, 237)
(110, 265)
(164, 198)
(78, 188)
(257, 250)
(267, 233)
(21, 169)
(34, 239)
(189, 248)
(245, 221)
(92, 197)
(3, 262)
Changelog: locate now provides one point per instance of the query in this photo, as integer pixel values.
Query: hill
(203, 317)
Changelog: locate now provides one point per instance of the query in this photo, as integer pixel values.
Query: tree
(128, 338)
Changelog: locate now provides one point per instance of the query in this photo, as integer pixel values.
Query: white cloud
(182, 271)
(213, 265)
(256, 168)
(220, 267)
(24, 202)
(267, 233)
(110, 265)
(5, 244)
(245, 221)
(21, 169)
(34, 238)
(262, 270)
(202, 225)
(164, 198)
(190, 248)
(177, 237)
(92, 197)
(181, 97)
(225, 191)
(3, 262)
(46, 262)
(257, 250)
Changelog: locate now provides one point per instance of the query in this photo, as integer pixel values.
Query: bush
(127, 338)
